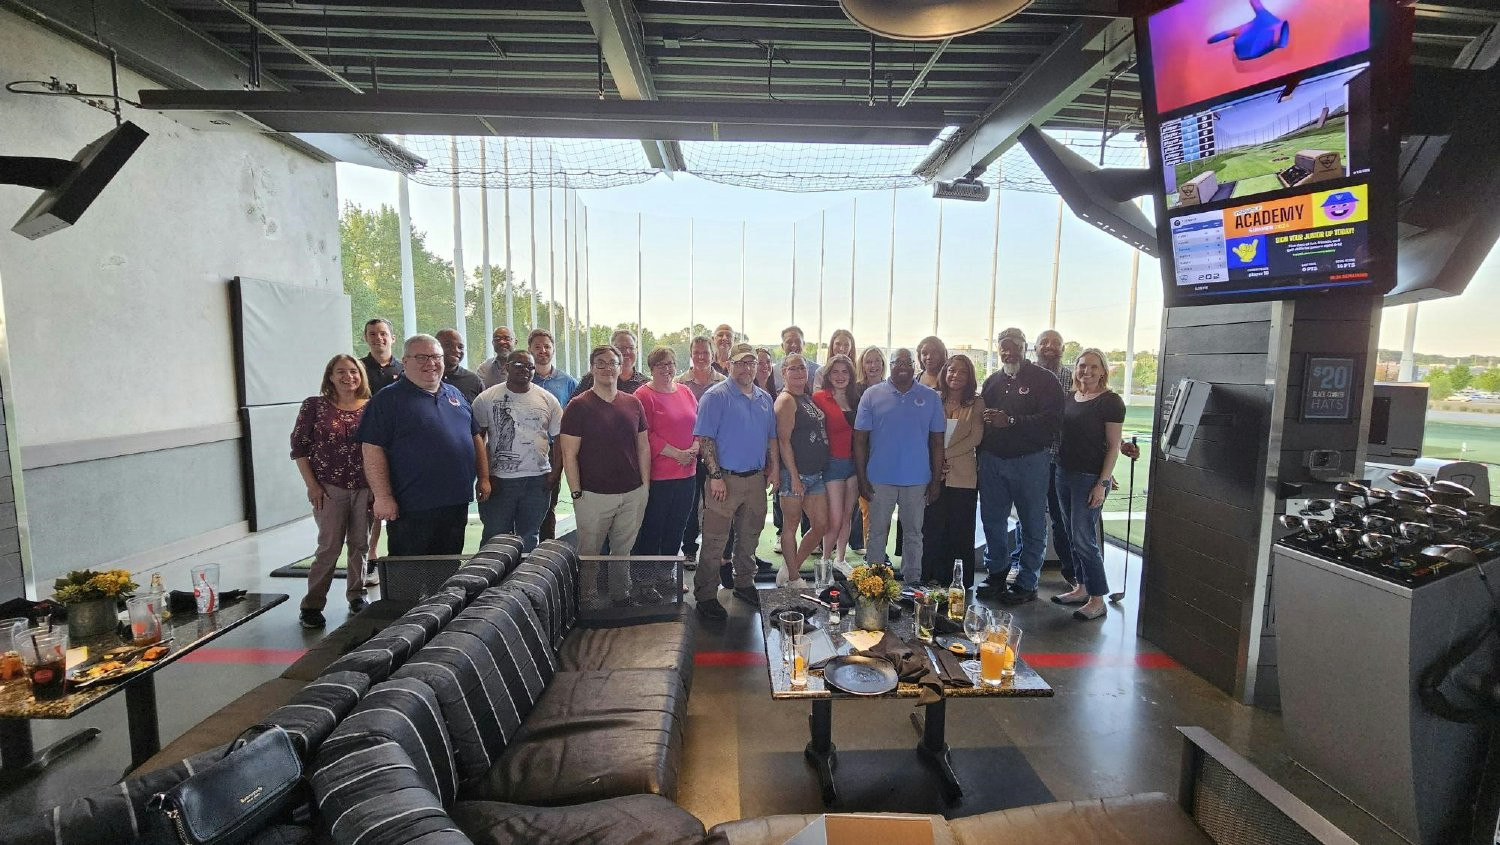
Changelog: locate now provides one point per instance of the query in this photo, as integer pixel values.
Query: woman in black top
(1092, 418)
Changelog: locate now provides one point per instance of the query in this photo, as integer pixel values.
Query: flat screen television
(1271, 125)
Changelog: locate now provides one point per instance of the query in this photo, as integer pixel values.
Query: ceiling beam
(488, 114)
(1087, 51)
(618, 27)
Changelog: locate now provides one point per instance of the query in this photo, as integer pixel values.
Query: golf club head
(1447, 512)
(1412, 496)
(1410, 479)
(1376, 522)
(1290, 521)
(1377, 542)
(1450, 488)
(1347, 509)
(1379, 495)
(1350, 488)
(1452, 553)
(1413, 530)
(1346, 536)
(1318, 506)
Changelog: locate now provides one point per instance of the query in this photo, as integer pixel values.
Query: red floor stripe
(729, 658)
(276, 656)
(1044, 660)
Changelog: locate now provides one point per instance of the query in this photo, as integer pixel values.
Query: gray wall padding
(277, 494)
(97, 511)
(286, 336)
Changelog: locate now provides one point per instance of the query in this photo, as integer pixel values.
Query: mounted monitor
(1270, 125)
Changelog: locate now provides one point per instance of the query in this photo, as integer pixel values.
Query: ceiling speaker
(929, 20)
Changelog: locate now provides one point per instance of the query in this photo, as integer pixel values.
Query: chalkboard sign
(1328, 390)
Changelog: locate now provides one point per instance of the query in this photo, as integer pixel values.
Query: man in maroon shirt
(607, 458)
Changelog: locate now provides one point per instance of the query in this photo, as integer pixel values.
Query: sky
(685, 218)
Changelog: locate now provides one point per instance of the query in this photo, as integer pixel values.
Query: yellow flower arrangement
(88, 585)
(875, 581)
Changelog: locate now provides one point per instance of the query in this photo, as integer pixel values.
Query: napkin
(911, 666)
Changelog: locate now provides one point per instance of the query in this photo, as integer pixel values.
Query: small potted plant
(92, 599)
(875, 586)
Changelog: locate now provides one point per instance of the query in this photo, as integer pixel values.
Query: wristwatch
(578, 494)
(716, 476)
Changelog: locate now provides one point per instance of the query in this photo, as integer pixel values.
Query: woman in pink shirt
(671, 410)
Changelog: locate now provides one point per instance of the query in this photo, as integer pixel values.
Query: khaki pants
(343, 520)
(744, 510)
(616, 517)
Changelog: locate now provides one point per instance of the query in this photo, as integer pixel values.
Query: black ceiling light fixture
(930, 20)
(69, 187)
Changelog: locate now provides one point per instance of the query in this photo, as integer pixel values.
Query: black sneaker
(748, 595)
(312, 619)
(763, 566)
(711, 609)
(726, 575)
(1017, 596)
(988, 591)
(357, 605)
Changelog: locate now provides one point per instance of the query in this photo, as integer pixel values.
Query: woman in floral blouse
(329, 459)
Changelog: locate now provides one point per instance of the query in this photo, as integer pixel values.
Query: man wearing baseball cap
(1023, 413)
(736, 432)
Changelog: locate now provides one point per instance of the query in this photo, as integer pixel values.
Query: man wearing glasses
(1023, 413)
(629, 379)
(736, 431)
(520, 423)
(423, 455)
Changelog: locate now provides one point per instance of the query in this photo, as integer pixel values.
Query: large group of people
(676, 461)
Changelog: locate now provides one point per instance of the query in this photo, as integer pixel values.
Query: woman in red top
(836, 397)
(333, 469)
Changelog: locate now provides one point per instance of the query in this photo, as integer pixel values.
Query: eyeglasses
(426, 359)
(522, 365)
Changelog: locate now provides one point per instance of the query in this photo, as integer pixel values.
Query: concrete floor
(1107, 731)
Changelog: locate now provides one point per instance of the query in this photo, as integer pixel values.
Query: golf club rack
(1423, 531)
(1378, 594)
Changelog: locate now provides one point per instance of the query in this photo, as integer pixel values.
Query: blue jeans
(1060, 540)
(666, 515)
(516, 506)
(1021, 482)
(1073, 488)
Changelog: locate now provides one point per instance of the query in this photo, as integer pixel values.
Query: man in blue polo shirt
(736, 432)
(423, 456)
(895, 419)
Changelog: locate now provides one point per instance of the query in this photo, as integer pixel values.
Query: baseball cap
(1015, 334)
(742, 352)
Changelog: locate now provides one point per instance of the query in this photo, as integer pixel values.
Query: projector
(961, 189)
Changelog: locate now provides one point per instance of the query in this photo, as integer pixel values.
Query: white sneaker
(783, 575)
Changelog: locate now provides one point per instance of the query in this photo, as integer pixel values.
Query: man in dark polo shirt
(381, 367)
(467, 381)
(423, 455)
(1023, 414)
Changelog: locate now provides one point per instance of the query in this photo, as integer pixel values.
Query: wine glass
(976, 621)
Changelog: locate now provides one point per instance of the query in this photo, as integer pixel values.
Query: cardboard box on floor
(864, 828)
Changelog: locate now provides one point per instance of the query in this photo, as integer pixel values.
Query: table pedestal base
(821, 754)
(20, 763)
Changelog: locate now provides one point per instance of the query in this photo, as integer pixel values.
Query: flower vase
(91, 618)
(870, 614)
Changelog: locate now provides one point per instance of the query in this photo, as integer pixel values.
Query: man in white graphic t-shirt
(520, 423)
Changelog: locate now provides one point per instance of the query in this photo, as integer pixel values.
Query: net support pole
(692, 287)
(822, 267)
(459, 323)
(562, 340)
(989, 344)
(1056, 267)
(640, 281)
(937, 277)
(580, 341)
(890, 296)
(510, 277)
(531, 180)
(853, 256)
(551, 262)
(744, 328)
(588, 296)
(1135, 276)
(1408, 371)
(794, 275)
(408, 276)
(486, 280)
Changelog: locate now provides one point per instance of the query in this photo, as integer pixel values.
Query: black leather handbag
(248, 789)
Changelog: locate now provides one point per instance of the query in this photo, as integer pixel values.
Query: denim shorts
(839, 469)
(812, 483)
